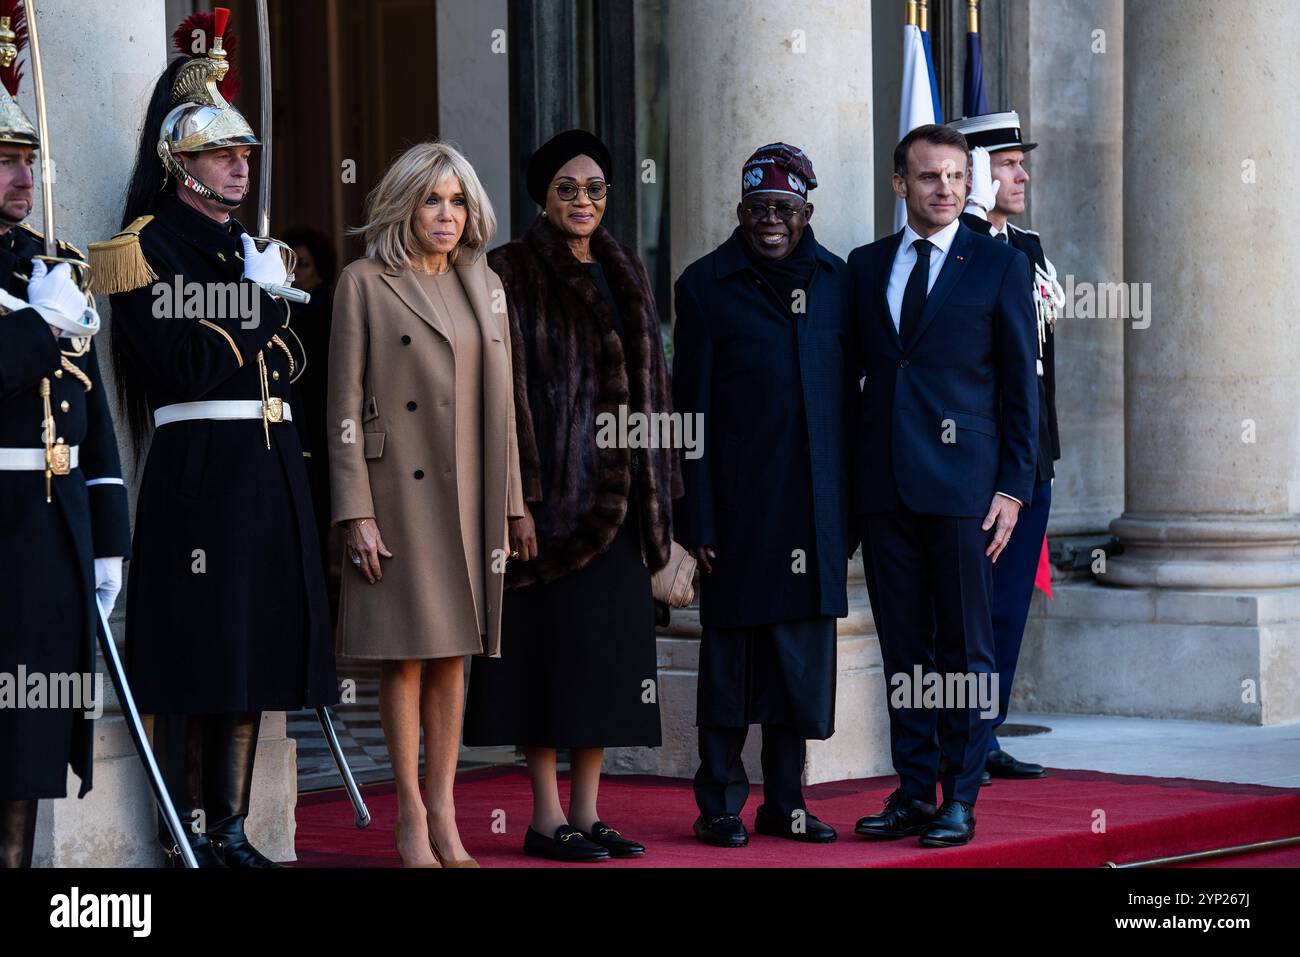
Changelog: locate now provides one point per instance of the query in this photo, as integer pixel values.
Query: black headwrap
(555, 152)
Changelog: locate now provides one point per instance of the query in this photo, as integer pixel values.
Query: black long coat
(777, 393)
(226, 600)
(47, 604)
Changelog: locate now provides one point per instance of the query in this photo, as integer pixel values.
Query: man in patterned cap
(761, 340)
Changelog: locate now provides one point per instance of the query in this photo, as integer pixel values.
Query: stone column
(1208, 624)
(1212, 457)
(744, 74)
(101, 61)
(1067, 82)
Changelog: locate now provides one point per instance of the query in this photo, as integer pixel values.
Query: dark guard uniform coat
(777, 394)
(47, 604)
(227, 609)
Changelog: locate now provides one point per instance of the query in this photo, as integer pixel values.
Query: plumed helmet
(201, 117)
(15, 128)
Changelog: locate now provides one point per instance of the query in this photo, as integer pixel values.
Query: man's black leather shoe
(952, 826)
(803, 827)
(727, 830)
(1002, 765)
(614, 842)
(901, 817)
(985, 778)
(568, 845)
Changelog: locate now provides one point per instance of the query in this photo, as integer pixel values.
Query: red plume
(208, 25)
(13, 75)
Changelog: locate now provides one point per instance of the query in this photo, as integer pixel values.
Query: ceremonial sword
(295, 295)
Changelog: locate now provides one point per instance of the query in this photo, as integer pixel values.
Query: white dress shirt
(905, 259)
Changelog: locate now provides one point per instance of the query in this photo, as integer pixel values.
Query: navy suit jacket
(951, 419)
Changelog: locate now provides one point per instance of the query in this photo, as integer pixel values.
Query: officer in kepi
(997, 192)
(63, 509)
(227, 609)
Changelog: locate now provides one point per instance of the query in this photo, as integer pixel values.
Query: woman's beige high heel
(397, 842)
(444, 862)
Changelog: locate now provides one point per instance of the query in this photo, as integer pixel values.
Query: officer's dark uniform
(1013, 575)
(47, 605)
(227, 609)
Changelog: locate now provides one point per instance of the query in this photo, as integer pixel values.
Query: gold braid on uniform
(118, 264)
(288, 354)
(76, 373)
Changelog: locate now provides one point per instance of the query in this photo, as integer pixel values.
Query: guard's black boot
(229, 751)
(178, 749)
(17, 832)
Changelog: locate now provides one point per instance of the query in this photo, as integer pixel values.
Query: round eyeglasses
(568, 192)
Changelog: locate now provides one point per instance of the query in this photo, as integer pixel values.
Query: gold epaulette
(118, 264)
(66, 250)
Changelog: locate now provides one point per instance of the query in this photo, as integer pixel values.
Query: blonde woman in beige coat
(424, 469)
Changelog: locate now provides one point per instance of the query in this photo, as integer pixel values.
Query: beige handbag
(672, 584)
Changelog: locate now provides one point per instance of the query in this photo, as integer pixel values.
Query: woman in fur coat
(577, 665)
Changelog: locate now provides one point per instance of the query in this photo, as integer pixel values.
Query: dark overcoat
(226, 601)
(777, 394)
(47, 604)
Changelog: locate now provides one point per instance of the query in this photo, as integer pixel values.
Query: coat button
(419, 473)
(411, 406)
(406, 340)
(903, 364)
(58, 373)
(63, 406)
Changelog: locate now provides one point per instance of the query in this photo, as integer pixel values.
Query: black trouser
(207, 764)
(721, 785)
(17, 832)
(931, 587)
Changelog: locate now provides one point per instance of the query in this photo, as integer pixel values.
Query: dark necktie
(917, 289)
(1002, 237)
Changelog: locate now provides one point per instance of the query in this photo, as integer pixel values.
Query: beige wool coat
(397, 462)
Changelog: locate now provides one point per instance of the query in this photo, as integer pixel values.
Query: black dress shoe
(568, 845)
(614, 842)
(901, 817)
(952, 826)
(985, 778)
(1002, 765)
(805, 827)
(726, 830)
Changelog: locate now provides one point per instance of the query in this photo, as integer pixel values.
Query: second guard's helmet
(201, 118)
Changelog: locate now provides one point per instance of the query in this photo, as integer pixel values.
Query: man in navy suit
(944, 458)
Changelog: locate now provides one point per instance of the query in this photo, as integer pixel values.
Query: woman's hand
(523, 537)
(365, 545)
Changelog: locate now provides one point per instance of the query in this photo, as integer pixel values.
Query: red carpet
(1054, 822)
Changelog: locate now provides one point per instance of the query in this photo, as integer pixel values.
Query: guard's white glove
(983, 194)
(61, 303)
(266, 268)
(108, 582)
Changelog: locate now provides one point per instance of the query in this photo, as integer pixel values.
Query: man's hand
(523, 537)
(702, 555)
(983, 188)
(1004, 511)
